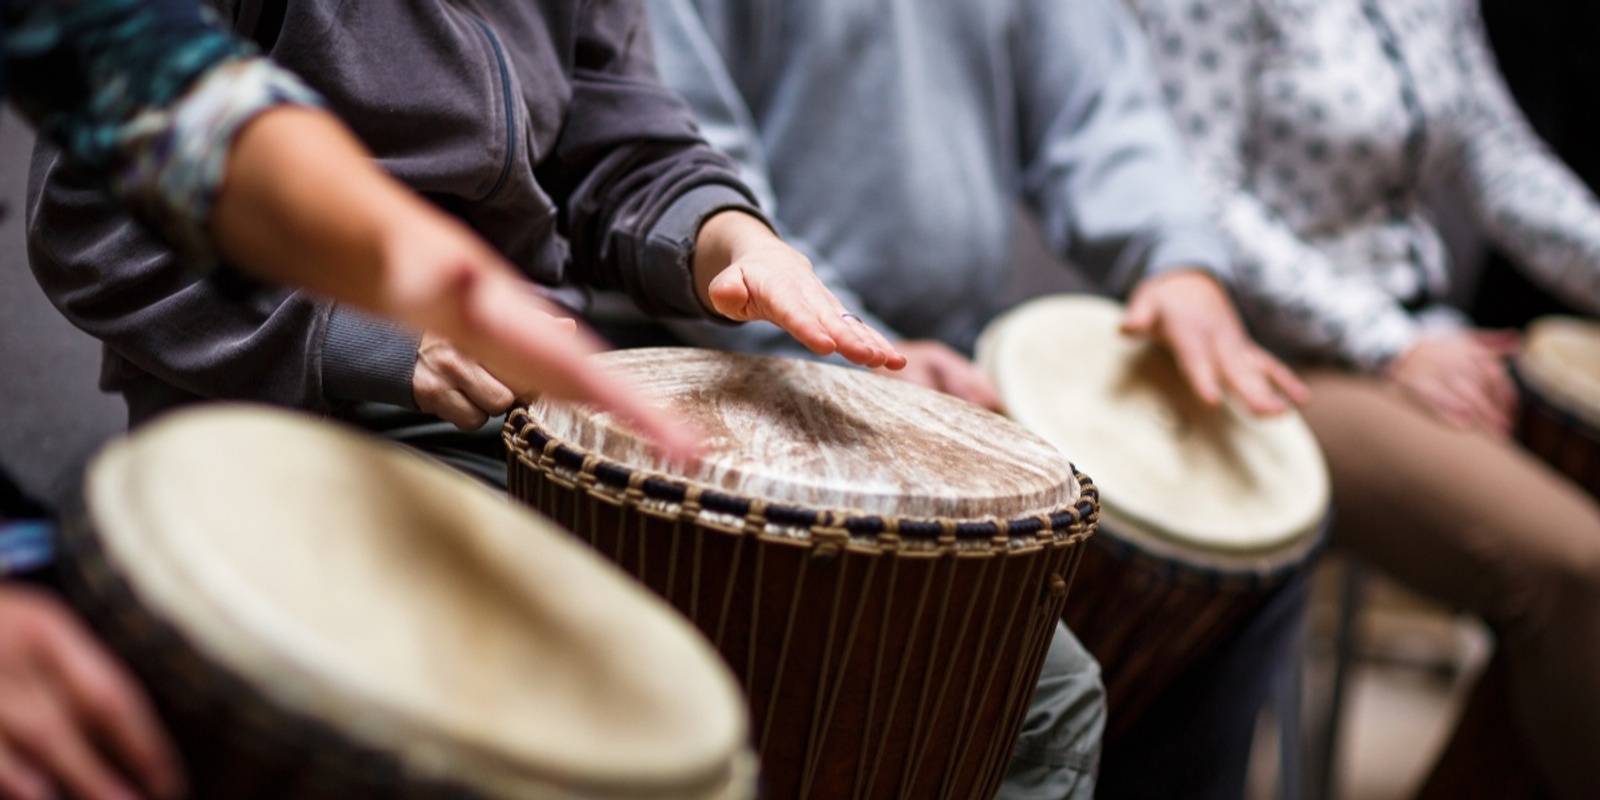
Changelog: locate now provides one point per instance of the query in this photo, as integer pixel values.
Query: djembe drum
(318, 616)
(1558, 372)
(1205, 510)
(883, 566)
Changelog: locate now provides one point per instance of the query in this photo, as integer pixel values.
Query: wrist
(724, 238)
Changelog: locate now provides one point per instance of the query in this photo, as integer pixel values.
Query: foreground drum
(882, 565)
(1205, 510)
(322, 616)
(1558, 371)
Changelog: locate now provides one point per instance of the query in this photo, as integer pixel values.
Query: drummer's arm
(1106, 169)
(659, 214)
(72, 720)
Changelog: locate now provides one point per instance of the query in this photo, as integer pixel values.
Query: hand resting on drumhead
(744, 272)
(72, 721)
(1461, 376)
(1191, 313)
(935, 365)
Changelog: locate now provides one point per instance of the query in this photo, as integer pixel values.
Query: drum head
(811, 434)
(1561, 361)
(1167, 467)
(413, 610)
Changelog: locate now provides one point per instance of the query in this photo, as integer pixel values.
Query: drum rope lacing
(664, 496)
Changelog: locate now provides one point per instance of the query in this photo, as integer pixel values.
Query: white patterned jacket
(1317, 124)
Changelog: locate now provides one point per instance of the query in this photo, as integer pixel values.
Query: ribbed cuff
(668, 279)
(365, 359)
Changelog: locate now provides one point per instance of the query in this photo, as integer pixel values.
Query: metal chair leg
(1345, 645)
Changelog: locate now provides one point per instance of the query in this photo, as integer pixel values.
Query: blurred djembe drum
(320, 616)
(882, 565)
(1204, 510)
(1558, 372)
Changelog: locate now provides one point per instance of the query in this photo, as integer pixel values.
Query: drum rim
(1125, 541)
(209, 677)
(1535, 379)
(256, 718)
(1123, 516)
(530, 444)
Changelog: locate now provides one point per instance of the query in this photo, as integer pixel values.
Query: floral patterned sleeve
(1296, 298)
(148, 92)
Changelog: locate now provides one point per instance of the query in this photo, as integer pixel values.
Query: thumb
(730, 294)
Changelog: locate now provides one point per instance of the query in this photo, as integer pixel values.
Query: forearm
(303, 204)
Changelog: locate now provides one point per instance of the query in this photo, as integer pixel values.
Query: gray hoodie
(542, 124)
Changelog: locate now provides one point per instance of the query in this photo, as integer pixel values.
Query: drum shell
(1560, 437)
(873, 670)
(1148, 617)
(234, 742)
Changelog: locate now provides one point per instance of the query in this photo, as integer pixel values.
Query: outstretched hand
(744, 272)
(304, 204)
(1189, 312)
(491, 338)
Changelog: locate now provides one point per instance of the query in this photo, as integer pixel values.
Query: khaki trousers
(1478, 523)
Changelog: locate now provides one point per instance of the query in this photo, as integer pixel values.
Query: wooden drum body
(318, 615)
(881, 565)
(1558, 372)
(1205, 511)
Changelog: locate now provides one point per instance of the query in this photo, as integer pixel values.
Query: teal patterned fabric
(147, 92)
(25, 546)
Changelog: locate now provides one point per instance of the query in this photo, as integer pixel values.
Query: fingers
(675, 438)
(862, 344)
(18, 780)
(54, 742)
(1245, 374)
(557, 363)
(110, 704)
(791, 297)
(1288, 383)
(1197, 360)
(456, 388)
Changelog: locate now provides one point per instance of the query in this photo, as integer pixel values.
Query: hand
(1461, 377)
(456, 388)
(744, 272)
(932, 364)
(71, 719)
(304, 204)
(1189, 312)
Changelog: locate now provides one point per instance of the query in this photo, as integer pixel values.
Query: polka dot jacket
(1317, 124)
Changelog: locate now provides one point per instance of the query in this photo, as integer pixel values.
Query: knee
(1560, 588)
(1067, 716)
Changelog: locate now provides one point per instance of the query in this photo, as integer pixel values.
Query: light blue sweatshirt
(893, 139)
